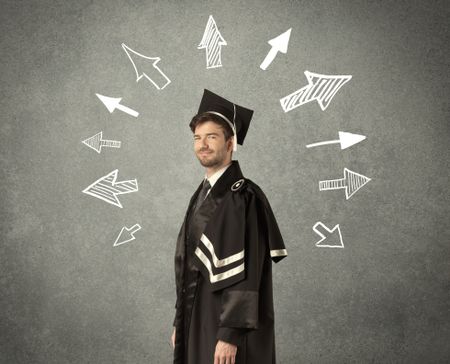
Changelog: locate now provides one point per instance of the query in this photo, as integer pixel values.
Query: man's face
(210, 146)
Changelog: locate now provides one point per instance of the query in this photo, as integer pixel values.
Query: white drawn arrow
(113, 103)
(333, 236)
(96, 142)
(345, 139)
(106, 188)
(212, 40)
(351, 182)
(126, 234)
(279, 44)
(320, 87)
(154, 75)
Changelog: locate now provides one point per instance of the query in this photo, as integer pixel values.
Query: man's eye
(211, 136)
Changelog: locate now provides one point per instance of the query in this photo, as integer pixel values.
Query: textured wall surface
(68, 296)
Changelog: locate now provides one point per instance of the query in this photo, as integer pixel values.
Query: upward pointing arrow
(213, 41)
(279, 44)
(155, 75)
(113, 103)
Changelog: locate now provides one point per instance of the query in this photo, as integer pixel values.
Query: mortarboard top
(236, 116)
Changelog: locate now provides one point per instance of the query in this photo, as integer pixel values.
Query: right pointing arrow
(333, 236)
(351, 182)
(345, 139)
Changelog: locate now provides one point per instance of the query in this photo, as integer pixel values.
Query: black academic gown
(223, 271)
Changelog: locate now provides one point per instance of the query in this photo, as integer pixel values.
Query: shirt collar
(213, 179)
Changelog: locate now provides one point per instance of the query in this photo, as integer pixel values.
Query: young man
(224, 253)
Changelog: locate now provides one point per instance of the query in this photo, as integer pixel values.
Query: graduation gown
(223, 273)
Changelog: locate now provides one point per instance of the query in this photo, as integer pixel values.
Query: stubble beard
(214, 162)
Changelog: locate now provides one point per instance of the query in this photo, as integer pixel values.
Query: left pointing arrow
(113, 103)
(106, 188)
(96, 142)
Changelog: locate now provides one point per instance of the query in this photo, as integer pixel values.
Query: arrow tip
(348, 139)
(281, 42)
(110, 102)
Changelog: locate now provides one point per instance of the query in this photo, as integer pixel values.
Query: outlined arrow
(320, 87)
(345, 139)
(113, 103)
(351, 182)
(106, 188)
(158, 78)
(96, 142)
(126, 234)
(330, 235)
(213, 41)
(279, 44)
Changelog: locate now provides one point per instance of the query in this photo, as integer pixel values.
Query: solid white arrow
(279, 44)
(345, 139)
(128, 234)
(113, 103)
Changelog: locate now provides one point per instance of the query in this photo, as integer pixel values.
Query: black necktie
(202, 195)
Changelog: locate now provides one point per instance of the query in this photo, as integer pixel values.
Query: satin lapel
(180, 248)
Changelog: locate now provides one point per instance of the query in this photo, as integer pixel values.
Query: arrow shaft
(128, 110)
(134, 228)
(332, 184)
(323, 143)
(110, 143)
(269, 58)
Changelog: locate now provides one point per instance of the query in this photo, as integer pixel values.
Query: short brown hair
(206, 116)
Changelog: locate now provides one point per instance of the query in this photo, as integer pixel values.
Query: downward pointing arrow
(345, 139)
(279, 44)
(113, 103)
(334, 236)
(127, 234)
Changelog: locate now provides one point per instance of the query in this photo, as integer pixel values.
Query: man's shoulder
(245, 187)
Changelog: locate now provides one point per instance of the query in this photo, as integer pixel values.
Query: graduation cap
(236, 116)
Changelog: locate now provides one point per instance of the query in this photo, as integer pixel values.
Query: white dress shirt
(213, 179)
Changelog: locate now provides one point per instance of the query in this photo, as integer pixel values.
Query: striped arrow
(213, 41)
(96, 142)
(351, 182)
(106, 188)
(320, 87)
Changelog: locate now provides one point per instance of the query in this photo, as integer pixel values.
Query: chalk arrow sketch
(345, 139)
(96, 142)
(113, 103)
(213, 41)
(106, 188)
(154, 74)
(351, 182)
(279, 44)
(333, 237)
(126, 234)
(320, 87)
